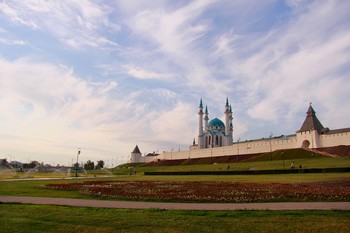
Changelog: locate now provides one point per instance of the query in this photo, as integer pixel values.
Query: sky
(103, 76)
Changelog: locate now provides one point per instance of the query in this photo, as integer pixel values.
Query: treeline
(89, 165)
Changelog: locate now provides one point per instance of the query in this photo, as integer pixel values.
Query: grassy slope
(306, 162)
(42, 218)
(275, 160)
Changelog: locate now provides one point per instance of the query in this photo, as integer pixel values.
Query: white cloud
(175, 125)
(56, 111)
(107, 87)
(13, 42)
(14, 15)
(140, 73)
(297, 63)
(51, 104)
(76, 23)
(2, 30)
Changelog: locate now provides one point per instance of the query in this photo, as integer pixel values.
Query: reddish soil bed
(224, 192)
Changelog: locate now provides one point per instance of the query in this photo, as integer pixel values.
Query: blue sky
(104, 76)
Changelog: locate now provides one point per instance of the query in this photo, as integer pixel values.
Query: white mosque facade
(215, 138)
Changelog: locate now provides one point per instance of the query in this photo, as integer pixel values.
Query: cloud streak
(75, 23)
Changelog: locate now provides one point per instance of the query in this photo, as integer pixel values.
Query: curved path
(178, 206)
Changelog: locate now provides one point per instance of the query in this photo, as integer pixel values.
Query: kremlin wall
(215, 139)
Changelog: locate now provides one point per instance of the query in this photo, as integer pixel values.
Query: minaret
(200, 125)
(227, 122)
(206, 118)
(231, 127)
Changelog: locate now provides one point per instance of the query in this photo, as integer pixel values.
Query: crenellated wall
(246, 147)
(138, 158)
(263, 145)
(328, 140)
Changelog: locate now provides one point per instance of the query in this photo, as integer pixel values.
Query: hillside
(342, 151)
(289, 154)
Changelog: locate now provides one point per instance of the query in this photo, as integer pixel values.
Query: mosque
(215, 133)
(215, 138)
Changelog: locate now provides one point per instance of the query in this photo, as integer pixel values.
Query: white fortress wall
(334, 139)
(263, 145)
(309, 136)
(246, 147)
(147, 159)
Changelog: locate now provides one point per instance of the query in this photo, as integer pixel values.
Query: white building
(215, 133)
(136, 156)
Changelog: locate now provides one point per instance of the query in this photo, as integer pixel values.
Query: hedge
(252, 172)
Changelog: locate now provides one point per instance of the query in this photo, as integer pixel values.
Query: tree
(31, 165)
(100, 164)
(89, 165)
(4, 162)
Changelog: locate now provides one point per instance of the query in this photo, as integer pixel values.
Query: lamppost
(77, 164)
(238, 145)
(270, 141)
(239, 139)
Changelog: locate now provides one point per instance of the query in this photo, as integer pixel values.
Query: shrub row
(253, 172)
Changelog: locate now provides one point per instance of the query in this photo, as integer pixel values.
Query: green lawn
(307, 162)
(43, 218)
(36, 187)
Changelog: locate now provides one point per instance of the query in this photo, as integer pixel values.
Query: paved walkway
(178, 206)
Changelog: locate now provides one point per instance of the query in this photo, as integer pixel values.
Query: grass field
(36, 187)
(307, 162)
(274, 164)
(43, 218)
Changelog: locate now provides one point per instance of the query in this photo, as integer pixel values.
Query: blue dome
(216, 122)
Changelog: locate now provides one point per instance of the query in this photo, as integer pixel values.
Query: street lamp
(238, 145)
(77, 164)
(237, 149)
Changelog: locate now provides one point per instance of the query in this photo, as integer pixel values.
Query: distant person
(292, 165)
(300, 166)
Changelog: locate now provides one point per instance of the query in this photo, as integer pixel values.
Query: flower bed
(228, 192)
